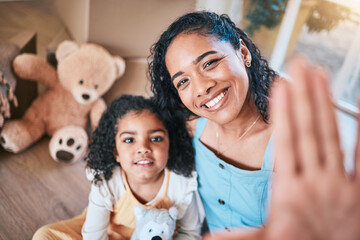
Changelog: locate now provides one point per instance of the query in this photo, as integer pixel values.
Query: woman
(206, 67)
(313, 197)
(203, 66)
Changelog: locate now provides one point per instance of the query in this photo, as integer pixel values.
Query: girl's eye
(181, 82)
(128, 140)
(209, 63)
(157, 139)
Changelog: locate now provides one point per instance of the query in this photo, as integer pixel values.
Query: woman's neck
(146, 190)
(247, 116)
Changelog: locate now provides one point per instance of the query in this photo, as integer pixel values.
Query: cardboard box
(25, 91)
(127, 28)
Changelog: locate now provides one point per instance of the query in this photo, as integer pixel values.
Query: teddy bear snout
(64, 156)
(85, 96)
(156, 238)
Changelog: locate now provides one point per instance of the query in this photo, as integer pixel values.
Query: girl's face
(142, 145)
(209, 75)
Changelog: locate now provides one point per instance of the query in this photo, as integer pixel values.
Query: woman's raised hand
(313, 197)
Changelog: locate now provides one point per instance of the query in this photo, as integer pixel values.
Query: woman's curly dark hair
(101, 158)
(207, 23)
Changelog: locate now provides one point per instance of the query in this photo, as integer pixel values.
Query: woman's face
(209, 75)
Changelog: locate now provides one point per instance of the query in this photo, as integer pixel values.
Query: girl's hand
(313, 197)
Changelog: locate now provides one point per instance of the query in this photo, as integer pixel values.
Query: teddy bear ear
(173, 212)
(120, 66)
(65, 48)
(139, 212)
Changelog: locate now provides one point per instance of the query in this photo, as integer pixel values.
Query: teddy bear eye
(96, 86)
(150, 230)
(81, 81)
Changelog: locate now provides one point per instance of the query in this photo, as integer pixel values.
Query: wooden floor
(36, 190)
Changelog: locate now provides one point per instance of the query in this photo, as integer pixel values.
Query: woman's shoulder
(191, 126)
(194, 123)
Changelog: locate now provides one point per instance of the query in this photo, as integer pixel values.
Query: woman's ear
(245, 54)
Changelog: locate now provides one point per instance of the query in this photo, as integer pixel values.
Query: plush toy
(84, 73)
(154, 224)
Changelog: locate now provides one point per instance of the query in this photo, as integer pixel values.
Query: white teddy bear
(154, 224)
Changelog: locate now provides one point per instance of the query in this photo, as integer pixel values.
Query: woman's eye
(209, 63)
(157, 139)
(181, 82)
(128, 140)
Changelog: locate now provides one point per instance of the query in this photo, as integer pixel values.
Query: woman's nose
(203, 85)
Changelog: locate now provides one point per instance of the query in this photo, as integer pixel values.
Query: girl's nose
(143, 148)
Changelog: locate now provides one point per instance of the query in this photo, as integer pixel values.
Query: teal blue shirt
(232, 197)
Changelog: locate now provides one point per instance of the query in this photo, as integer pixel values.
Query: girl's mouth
(216, 99)
(144, 162)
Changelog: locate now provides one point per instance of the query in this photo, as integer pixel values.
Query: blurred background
(327, 31)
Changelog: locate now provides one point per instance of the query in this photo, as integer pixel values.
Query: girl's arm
(189, 226)
(97, 217)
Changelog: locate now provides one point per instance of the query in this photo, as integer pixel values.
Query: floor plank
(36, 190)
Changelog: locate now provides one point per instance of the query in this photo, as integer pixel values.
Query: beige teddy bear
(84, 73)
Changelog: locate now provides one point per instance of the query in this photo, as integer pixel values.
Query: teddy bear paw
(7, 144)
(68, 144)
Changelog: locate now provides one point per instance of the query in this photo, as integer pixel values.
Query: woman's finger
(330, 151)
(285, 145)
(304, 116)
(357, 148)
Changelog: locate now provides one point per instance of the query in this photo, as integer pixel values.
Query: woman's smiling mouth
(216, 99)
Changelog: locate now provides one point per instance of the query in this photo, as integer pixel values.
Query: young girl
(136, 157)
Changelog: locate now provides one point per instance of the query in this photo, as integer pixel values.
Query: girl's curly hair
(207, 23)
(101, 158)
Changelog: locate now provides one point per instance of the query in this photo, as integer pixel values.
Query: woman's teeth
(215, 100)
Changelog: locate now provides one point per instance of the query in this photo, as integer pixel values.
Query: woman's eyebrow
(197, 60)
(176, 75)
